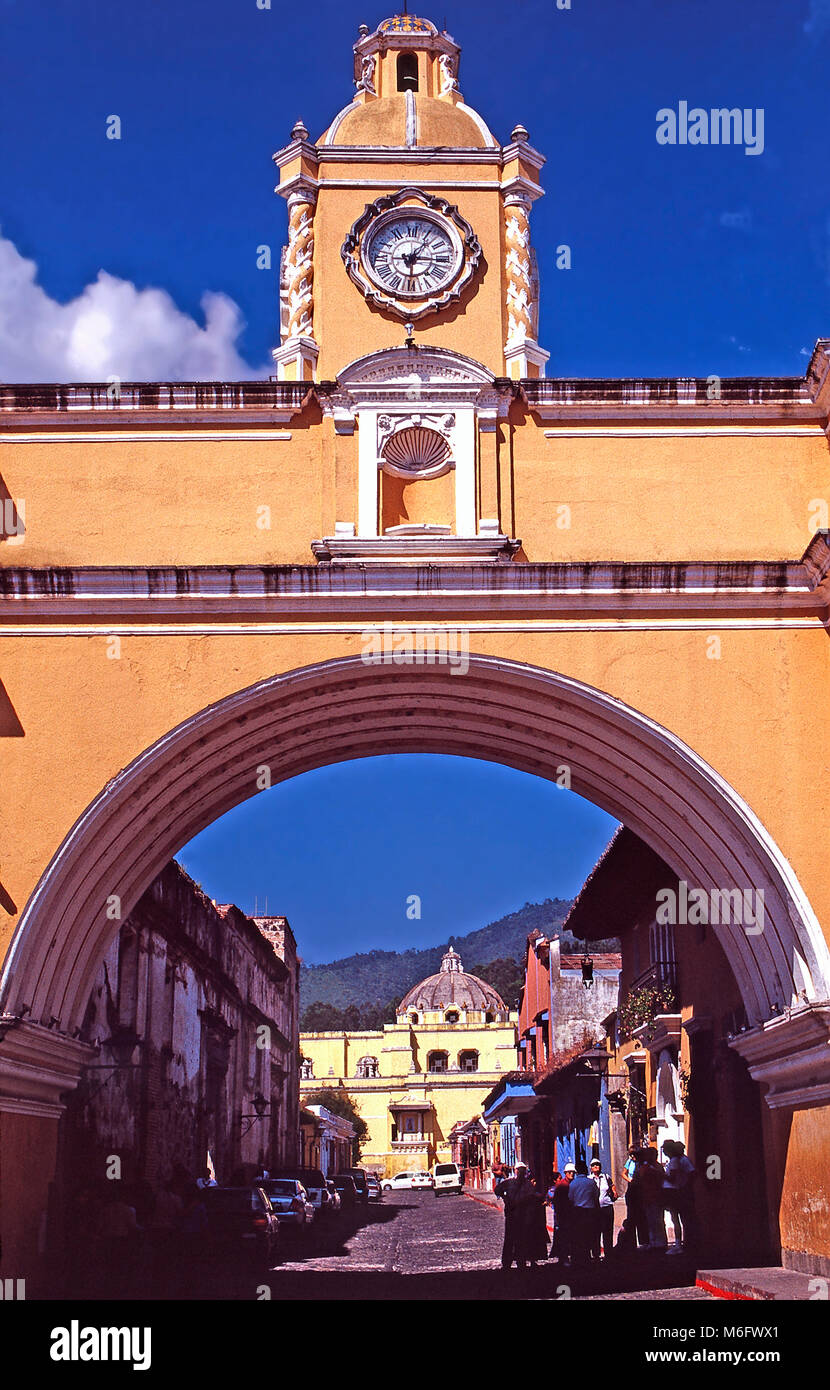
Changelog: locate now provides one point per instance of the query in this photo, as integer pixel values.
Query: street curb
(494, 1205)
(768, 1283)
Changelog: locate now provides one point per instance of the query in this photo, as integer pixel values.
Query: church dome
(383, 122)
(452, 986)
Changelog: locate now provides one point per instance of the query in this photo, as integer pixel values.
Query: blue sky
(138, 257)
(686, 260)
(340, 850)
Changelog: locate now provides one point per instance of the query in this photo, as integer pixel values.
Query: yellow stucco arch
(533, 719)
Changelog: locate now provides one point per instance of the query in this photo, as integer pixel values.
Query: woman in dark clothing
(524, 1208)
(561, 1248)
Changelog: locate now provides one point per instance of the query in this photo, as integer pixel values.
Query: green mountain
(372, 979)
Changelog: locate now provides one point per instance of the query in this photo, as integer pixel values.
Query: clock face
(410, 255)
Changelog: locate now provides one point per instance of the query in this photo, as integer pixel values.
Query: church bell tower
(408, 287)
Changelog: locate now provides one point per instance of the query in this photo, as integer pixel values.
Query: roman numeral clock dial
(411, 253)
(411, 257)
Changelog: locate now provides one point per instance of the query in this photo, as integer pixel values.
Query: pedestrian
(584, 1202)
(560, 1249)
(635, 1216)
(532, 1216)
(517, 1194)
(607, 1198)
(678, 1194)
(647, 1183)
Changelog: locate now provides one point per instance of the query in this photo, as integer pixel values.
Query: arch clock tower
(409, 296)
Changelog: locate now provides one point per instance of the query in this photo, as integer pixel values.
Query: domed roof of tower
(383, 122)
(406, 24)
(452, 985)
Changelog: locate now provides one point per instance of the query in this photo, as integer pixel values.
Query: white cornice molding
(692, 431)
(524, 151)
(295, 149)
(816, 562)
(818, 377)
(744, 594)
(431, 550)
(428, 155)
(214, 436)
(791, 1056)
(38, 1066)
(429, 185)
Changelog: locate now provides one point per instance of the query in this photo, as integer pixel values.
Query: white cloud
(112, 329)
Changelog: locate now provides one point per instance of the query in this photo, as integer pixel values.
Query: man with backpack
(607, 1198)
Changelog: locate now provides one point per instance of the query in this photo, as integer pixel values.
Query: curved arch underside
(501, 711)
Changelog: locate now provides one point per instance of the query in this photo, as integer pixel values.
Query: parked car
(241, 1223)
(407, 1180)
(373, 1185)
(397, 1181)
(290, 1201)
(314, 1182)
(359, 1176)
(334, 1196)
(347, 1192)
(447, 1177)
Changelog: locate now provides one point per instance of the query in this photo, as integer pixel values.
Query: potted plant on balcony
(640, 1007)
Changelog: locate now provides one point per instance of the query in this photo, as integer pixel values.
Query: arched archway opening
(505, 712)
(526, 717)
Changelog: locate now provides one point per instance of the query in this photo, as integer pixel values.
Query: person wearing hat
(561, 1246)
(607, 1197)
(521, 1201)
(584, 1200)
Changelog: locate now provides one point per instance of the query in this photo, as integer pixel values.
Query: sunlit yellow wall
(85, 716)
(402, 1053)
(187, 502)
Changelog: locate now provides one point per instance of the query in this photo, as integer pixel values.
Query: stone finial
(298, 131)
(519, 134)
(363, 30)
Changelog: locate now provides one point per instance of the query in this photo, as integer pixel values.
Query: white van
(447, 1177)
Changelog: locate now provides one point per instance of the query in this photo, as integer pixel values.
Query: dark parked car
(290, 1202)
(241, 1224)
(349, 1199)
(314, 1182)
(360, 1183)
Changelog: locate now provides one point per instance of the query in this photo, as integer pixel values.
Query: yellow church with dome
(413, 1080)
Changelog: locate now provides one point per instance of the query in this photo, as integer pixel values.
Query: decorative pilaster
(522, 354)
(296, 358)
(520, 187)
(517, 265)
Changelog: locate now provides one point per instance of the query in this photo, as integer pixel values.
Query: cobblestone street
(415, 1246)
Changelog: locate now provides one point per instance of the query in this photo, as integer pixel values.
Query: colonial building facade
(417, 1078)
(630, 572)
(194, 1020)
(544, 1113)
(670, 1072)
